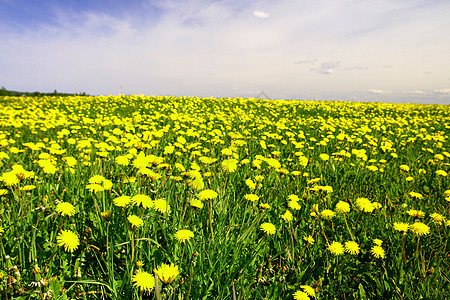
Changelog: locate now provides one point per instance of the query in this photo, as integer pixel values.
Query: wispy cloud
(358, 67)
(442, 91)
(379, 92)
(415, 92)
(306, 61)
(261, 14)
(328, 67)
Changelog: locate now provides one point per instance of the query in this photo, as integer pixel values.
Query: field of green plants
(134, 197)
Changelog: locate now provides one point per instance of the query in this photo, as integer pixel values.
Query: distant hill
(5, 92)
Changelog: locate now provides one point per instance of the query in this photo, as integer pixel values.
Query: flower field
(133, 197)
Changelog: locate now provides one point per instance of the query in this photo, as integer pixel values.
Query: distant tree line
(5, 92)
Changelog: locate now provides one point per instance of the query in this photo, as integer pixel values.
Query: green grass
(229, 256)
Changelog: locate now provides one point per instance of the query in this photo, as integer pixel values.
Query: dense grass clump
(133, 197)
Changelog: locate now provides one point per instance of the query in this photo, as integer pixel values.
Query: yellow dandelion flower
(416, 213)
(309, 239)
(401, 227)
(378, 242)
(372, 168)
(351, 247)
(251, 197)
(377, 205)
(365, 205)
(324, 156)
(420, 228)
(300, 295)
(273, 163)
(10, 178)
(169, 149)
(94, 187)
(28, 187)
(342, 207)
(68, 239)
(437, 218)
(309, 290)
(96, 179)
(184, 235)
(327, 214)
(139, 264)
(439, 156)
(268, 228)
(129, 179)
(150, 174)
(404, 168)
(312, 181)
(122, 201)
(336, 248)
(122, 160)
(197, 203)
(377, 251)
(141, 161)
(65, 209)
(135, 221)
(294, 205)
(287, 216)
(416, 195)
(144, 281)
(161, 205)
(441, 173)
(207, 194)
(226, 151)
(259, 178)
(325, 188)
(264, 205)
(251, 185)
(143, 200)
(230, 165)
(167, 273)
(293, 197)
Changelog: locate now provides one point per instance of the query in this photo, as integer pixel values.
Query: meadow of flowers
(133, 197)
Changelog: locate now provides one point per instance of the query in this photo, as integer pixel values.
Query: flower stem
(182, 253)
(210, 222)
(403, 247)
(348, 228)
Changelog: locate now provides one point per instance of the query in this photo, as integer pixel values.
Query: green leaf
(362, 292)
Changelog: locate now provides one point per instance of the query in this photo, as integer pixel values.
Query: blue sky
(381, 50)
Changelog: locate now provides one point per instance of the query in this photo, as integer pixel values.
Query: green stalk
(210, 222)
(348, 228)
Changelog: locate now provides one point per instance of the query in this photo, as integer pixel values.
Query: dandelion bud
(106, 214)
(36, 269)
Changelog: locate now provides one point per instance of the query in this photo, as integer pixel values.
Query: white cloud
(261, 14)
(442, 91)
(328, 67)
(306, 61)
(357, 67)
(415, 92)
(376, 91)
